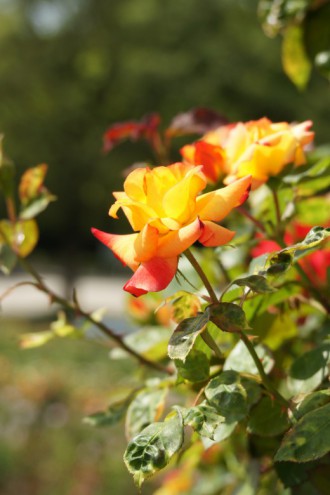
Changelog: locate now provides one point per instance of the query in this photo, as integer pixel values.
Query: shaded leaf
(196, 121)
(313, 401)
(145, 408)
(241, 361)
(204, 419)
(309, 438)
(293, 473)
(8, 259)
(153, 448)
(229, 317)
(309, 370)
(228, 396)
(110, 417)
(36, 206)
(195, 368)
(184, 336)
(268, 418)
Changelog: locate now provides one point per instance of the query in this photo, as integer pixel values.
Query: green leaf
(313, 401)
(36, 339)
(151, 342)
(153, 448)
(281, 328)
(36, 206)
(309, 370)
(241, 361)
(228, 396)
(296, 64)
(195, 368)
(267, 418)
(204, 419)
(279, 262)
(309, 438)
(8, 259)
(257, 283)
(145, 408)
(293, 473)
(259, 304)
(184, 304)
(229, 317)
(185, 334)
(224, 430)
(110, 417)
(22, 236)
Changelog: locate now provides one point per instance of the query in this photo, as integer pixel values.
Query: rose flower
(259, 148)
(168, 215)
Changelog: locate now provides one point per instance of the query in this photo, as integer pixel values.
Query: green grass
(45, 449)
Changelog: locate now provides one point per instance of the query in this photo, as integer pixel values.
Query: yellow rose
(168, 215)
(260, 148)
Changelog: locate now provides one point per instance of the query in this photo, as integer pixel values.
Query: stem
(223, 271)
(277, 210)
(11, 210)
(248, 215)
(265, 380)
(202, 275)
(73, 306)
(209, 340)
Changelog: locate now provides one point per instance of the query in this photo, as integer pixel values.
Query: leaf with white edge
(151, 342)
(204, 419)
(110, 417)
(226, 393)
(313, 401)
(185, 334)
(314, 237)
(268, 418)
(241, 361)
(36, 206)
(152, 449)
(279, 262)
(308, 439)
(195, 368)
(257, 283)
(224, 431)
(145, 408)
(229, 317)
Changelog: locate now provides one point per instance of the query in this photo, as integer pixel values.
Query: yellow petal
(215, 235)
(216, 205)
(145, 244)
(175, 242)
(134, 185)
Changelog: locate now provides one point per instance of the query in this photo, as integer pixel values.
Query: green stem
(74, 306)
(202, 275)
(11, 210)
(265, 380)
(277, 210)
(209, 340)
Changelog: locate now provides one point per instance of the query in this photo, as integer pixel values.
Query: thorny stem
(74, 306)
(248, 215)
(202, 275)
(265, 380)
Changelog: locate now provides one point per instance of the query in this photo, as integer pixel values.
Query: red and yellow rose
(168, 214)
(259, 148)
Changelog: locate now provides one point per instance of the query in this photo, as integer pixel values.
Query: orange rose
(168, 215)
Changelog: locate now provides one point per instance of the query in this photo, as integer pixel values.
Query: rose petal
(152, 276)
(216, 205)
(175, 242)
(215, 235)
(121, 245)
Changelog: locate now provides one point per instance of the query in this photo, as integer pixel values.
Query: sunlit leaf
(309, 438)
(226, 393)
(31, 183)
(151, 342)
(204, 419)
(152, 449)
(257, 283)
(313, 401)
(146, 408)
(22, 236)
(184, 305)
(268, 418)
(184, 336)
(241, 361)
(294, 58)
(36, 339)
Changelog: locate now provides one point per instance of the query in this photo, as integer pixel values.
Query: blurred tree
(70, 68)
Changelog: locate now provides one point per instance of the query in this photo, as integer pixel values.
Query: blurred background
(68, 70)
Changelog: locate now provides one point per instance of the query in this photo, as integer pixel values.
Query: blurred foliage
(69, 69)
